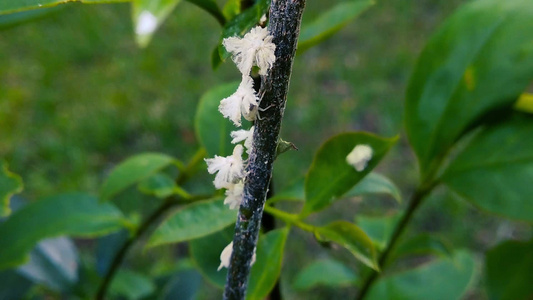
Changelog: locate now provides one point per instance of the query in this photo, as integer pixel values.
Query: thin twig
(285, 18)
(416, 200)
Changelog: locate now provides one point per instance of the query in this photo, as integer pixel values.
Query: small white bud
(359, 157)
(146, 24)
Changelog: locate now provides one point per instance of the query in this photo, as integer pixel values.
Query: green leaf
(509, 268)
(294, 192)
(74, 214)
(352, 238)
(212, 129)
(53, 263)
(193, 221)
(231, 9)
(375, 183)
(525, 103)
(327, 272)
(159, 185)
(477, 63)
(184, 285)
(330, 176)
(9, 20)
(422, 244)
(330, 21)
(133, 170)
(267, 267)
(11, 6)
(243, 23)
(212, 8)
(148, 15)
(205, 253)
(379, 229)
(131, 285)
(442, 279)
(495, 170)
(13, 285)
(10, 184)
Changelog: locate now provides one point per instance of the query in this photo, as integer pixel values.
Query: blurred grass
(77, 96)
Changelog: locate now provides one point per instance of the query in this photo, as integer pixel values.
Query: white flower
(146, 24)
(225, 256)
(243, 102)
(230, 169)
(255, 48)
(244, 135)
(359, 157)
(234, 195)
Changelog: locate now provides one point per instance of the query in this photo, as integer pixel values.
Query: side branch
(285, 18)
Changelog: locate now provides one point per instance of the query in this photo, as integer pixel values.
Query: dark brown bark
(285, 18)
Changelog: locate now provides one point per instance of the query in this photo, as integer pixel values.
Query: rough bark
(284, 26)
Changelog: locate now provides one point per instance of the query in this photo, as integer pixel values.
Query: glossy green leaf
(206, 251)
(352, 238)
(508, 272)
(148, 15)
(184, 285)
(330, 21)
(212, 8)
(73, 214)
(422, 244)
(477, 63)
(11, 6)
(327, 272)
(330, 176)
(267, 267)
(159, 185)
(442, 279)
(294, 192)
(495, 170)
(13, 285)
(375, 183)
(53, 263)
(131, 285)
(133, 170)
(242, 23)
(10, 184)
(193, 221)
(379, 229)
(212, 129)
(525, 103)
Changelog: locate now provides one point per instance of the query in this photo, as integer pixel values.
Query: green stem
(289, 218)
(415, 202)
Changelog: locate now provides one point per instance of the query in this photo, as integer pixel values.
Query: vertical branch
(285, 18)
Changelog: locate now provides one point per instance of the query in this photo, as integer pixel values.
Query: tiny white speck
(146, 24)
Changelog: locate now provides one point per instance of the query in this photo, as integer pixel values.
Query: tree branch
(415, 202)
(285, 18)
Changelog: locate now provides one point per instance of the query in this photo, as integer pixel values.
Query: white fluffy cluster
(359, 157)
(254, 49)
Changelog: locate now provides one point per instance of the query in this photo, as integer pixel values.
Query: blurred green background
(77, 96)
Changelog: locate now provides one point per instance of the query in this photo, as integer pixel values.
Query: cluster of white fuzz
(359, 157)
(254, 49)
